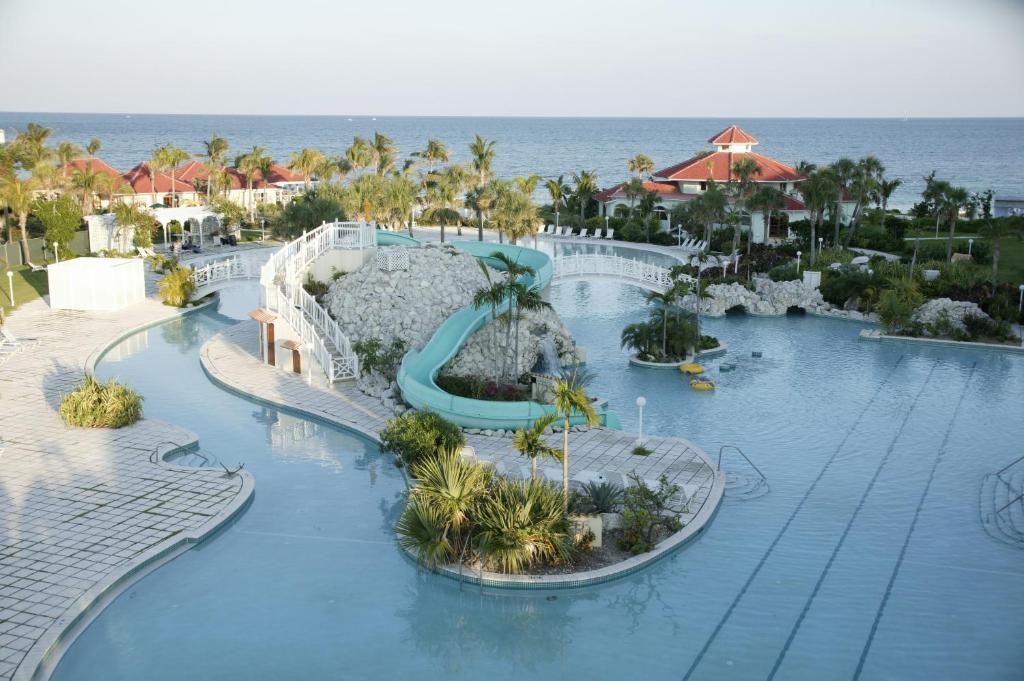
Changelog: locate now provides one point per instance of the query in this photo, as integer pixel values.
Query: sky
(659, 58)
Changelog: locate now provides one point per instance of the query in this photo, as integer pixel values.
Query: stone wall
(953, 311)
(768, 298)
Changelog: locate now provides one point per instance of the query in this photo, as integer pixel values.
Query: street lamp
(821, 243)
(10, 286)
(1020, 303)
(606, 225)
(263, 229)
(641, 402)
(970, 246)
(798, 254)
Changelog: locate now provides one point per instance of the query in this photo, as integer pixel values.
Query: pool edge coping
(46, 653)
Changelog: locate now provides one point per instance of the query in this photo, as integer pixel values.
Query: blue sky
(529, 57)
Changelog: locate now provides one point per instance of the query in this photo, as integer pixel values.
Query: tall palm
(156, 164)
(306, 162)
(883, 192)
(571, 399)
(633, 188)
(30, 145)
(435, 152)
(170, 157)
(134, 216)
(818, 191)
(515, 290)
(585, 183)
(527, 184)
(955, 199)
(530, 442)
(360, 154)
(558, 190)
(400, 195)
(640, 165)
(664, 301)
(482, 153)
(384, 152)
(215, 151)
(93, 147)
(86, 183)
(17, 196)
(249, 164)
(480, 199)
(492, 295)
(841, 173)
(711, 208)
(66, 153)
(743, 171)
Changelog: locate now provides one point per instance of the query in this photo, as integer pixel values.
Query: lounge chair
(546, 230)
(596, 234)
(583, 233)
(566, 231)
(609, 234)
(9, 342)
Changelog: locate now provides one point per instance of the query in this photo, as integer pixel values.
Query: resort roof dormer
(734, 139)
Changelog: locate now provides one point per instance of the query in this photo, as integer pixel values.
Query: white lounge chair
(596, 234)
(583, 233)
(609, 234)
(548, 229)
(9, 342)
(566, 231)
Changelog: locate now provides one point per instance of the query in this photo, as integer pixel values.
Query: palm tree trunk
(515, 353)
(664, 332)
(533, 468)
(814, 240)
(995, 262)
(835, 219)
(565, 465)
(23, 226)
(952, 232)
(479, 224)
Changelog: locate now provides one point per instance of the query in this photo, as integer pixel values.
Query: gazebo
(197, 215)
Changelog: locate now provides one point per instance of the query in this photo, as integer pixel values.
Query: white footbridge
(594, 265)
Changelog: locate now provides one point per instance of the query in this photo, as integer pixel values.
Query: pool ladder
(1002, 503)
(743, 486)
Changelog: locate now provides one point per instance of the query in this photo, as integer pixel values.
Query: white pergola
(183, 215)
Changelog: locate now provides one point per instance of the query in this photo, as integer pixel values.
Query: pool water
(866, 558)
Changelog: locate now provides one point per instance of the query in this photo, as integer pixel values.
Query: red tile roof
(664, 190)
(717, 166)
(733, 135)
(195, 170)
(98, 166)
(141, 178)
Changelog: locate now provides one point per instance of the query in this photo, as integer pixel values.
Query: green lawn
(1011, 256)
(28, 286)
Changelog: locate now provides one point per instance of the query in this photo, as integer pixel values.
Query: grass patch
(640, 450)
(101, 405)
(28, 286)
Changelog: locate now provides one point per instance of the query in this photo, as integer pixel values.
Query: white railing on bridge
(595, 264)
(223, 270)
(282, 277)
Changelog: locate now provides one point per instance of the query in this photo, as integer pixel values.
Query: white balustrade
(595, 264)
(281, 279)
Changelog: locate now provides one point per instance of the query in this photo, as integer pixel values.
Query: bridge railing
(284, 294)
(222, 270)
(582, 264)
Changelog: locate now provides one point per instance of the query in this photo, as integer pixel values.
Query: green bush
(177, 287)
(647, 514)
(477, 388)
(839, 287)
(314, 287)
(416, 435)
(101, 405)
(896, 305)
(784, 272)
(374, 357)
(597, 497)
(980, 328)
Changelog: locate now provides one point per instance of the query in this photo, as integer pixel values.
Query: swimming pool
(845, 569)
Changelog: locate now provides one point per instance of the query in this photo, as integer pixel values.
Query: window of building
(703, 186)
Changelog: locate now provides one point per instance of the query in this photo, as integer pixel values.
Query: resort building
(279, 185)
(687, 180)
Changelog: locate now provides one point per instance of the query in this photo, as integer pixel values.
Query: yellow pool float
(701, 384)
(691, 368)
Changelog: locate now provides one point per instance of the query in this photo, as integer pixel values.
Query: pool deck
(231, 359)
(84, 509)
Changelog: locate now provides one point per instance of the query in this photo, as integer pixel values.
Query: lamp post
(1020, 303)
(263, 229)
(606, 223)
(821, 243)
(641, 402)
(798, 254)
(970, 246)
(10, 286)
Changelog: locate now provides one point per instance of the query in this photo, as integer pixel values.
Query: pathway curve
(84, 508)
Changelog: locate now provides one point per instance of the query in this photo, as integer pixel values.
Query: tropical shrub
(896, 305)
(374, 357)
(308, 211)
(708, 343)
(678, 328)
(597, 497)
(101, 405)
(177, 286)
(784, 272)
(978, 327)
(458, 511)
(477, 388)
(416, 435)
(647, 514)
(61, 218)
(846, 284)
(314, 287)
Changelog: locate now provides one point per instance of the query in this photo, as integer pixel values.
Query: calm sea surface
(976, 153)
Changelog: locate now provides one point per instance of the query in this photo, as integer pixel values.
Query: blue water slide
(419, 368)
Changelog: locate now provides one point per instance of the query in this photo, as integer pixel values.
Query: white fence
(223, 270)
(282, 276)
(644, 274)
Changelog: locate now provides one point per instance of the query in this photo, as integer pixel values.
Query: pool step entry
(189, 456)
(1001, 504)
(745, 481)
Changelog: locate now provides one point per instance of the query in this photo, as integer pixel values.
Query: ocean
(976, 153)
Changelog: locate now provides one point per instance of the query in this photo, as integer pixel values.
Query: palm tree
(400, 195)
(360, 154)
(479, 199)
(132, 215)
(514, 291)
(558, 190)
(214, 151)
(521, 524)
(710, 207)
(571, 399)
(586, 187)
(435, 152)
(514, 213)
(818, 191)
(66, 153)
(633, 189)
(493, 295)
(530, 442)
(482, 152)
(841, 173)
(640, 165)
(768, 200)
(169, 157)
(744, 171)
(527, 184)
(664, 302)
(995, 231)
(250, 163)
(384, 152)
(955, 199)
(86, 183)
(306, 162)
(30, 145)
(93, 147)
(883, 192)
(17, 195)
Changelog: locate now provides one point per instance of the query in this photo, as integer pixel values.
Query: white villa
(685, 181)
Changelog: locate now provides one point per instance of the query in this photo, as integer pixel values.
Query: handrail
(581, 264)
(746, 458)
(999, 473)
(284, 294)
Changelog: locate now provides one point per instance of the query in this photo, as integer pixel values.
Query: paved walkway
(232, 359)
(83, 507)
